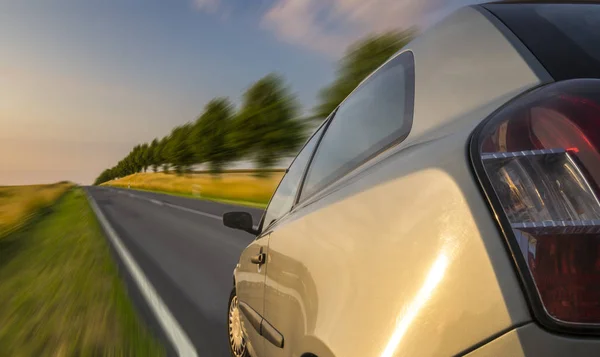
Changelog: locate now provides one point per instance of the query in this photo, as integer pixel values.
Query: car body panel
(466, 64)
(562, 35)
(532, 340)
(402, 256)
(250, 285)
(393, 272)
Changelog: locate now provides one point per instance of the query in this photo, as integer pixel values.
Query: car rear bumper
(532, 340)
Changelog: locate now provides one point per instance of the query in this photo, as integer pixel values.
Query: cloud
(329, 26)
(304, 22)
(210, 6)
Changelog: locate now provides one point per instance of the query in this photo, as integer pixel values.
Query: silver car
(449, 206)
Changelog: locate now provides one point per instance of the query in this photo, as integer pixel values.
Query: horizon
(85, 82)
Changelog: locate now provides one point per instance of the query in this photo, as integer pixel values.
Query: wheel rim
(236, 338)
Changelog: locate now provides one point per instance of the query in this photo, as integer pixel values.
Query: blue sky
(81, 82)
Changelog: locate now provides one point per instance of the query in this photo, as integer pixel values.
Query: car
(449, 206)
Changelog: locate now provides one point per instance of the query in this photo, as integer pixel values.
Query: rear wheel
(237, 341)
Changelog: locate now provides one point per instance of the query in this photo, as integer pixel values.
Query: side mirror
(239, 220)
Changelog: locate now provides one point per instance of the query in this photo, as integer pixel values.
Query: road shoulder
(144, 290)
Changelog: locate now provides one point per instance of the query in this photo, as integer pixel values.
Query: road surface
(185, 252)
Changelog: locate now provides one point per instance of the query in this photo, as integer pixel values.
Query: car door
(250, 278)
(254, 260)
(312, 251)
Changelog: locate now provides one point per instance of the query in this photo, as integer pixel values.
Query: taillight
(539, 164)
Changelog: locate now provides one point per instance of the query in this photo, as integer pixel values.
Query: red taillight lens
(539, 163)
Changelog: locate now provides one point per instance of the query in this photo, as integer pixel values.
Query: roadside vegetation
(19, 204)
(60, 290)
(267, 126)
(244, 188)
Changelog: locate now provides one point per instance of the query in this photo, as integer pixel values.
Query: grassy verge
(238, 188)
(60, 291)
(18, 204)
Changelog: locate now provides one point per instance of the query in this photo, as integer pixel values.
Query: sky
(83, 81)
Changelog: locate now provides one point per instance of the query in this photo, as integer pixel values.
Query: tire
(237, 341)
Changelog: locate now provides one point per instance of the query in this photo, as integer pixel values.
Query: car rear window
(377, 115)
(564, 37)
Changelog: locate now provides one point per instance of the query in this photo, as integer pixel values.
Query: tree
(179, 151)
(139, 158)
(210, 135)
(144, 156)
(161, 155)
(154, 155)
(360, 60)
(105, 176)
(266, 127)
(133, 161)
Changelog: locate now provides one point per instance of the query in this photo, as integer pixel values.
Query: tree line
(266, 127)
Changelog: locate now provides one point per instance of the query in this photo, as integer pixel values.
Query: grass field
(20, 203)
(241, 188)
(60, 292)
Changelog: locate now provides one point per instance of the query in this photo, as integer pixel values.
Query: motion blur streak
(431, 282)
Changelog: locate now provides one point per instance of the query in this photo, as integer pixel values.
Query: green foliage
(209, 135)
(154, 155)
(266, 127)
(61, 293)
(144, 157)
(106, 175)
(136, 163)
(179, 152)
(360, 60)
(161, 153)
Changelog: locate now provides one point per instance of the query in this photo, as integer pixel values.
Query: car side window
(377, 115)
(285, 195)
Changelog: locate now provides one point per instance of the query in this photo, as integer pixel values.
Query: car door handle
(258, 259)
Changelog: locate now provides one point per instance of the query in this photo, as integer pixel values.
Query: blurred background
(207, 99)
(132, 85)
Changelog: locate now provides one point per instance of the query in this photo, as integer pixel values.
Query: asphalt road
(185, 252)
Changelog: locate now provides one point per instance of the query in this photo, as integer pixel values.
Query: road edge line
(169, 324)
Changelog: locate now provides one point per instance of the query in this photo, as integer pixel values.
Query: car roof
(561, 35)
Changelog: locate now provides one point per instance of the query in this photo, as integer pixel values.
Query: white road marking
(194, 211)
(157, 202)
(171, 327)
(220, 218)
